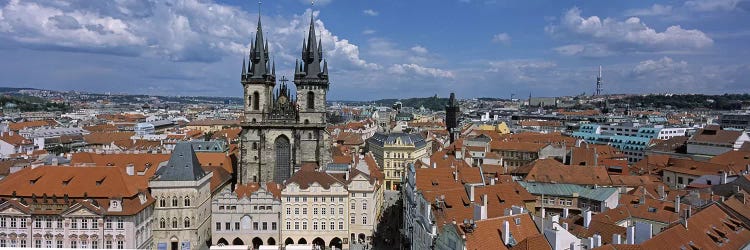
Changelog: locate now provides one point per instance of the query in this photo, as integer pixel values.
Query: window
(256, 101)
(679, 180)
(83, 244)
(323, 210)
(322, 225)
(364, 219)
(315, 225)
(341, 210)
(333, 210)
(162, 202)
(315, 199)
(187, 201)
(341, 225)
(227, 226)
(174, 201)
(120, 223)
(364, 205)
(296, 210)
(288, 211)
(304, 210)
(310, 100)
(108, 244)
(59, 244)
(296, 199)
(296, 225)
(315, 211)
(120, 244)
(236, 226)
(288, 225)
(73, 223)
(13, 222)
(95, 244)
(304, 225)
(84, 223)
(48, 222)
(187, 222)
(255, 225)
(23, 222)
(94, 224)
(22, 243)
(108, 223)
(2, 243)
(218, 226)
(353, 220)
(174, 222)
(333, 225)
(73, 244)
(265, 225)
(3, 222)
(354, 205)
(163, 223)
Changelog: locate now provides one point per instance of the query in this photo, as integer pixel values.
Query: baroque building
(281, 131)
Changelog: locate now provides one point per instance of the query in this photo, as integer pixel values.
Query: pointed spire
(325, 67)
(243, 68)
(296, 67)
(273, 68)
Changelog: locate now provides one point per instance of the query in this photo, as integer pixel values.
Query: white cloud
(662, 66)
(503, 38)
(368, 32)
(712, 5)
(419, 49)
(405, 69)
(629, 34)
(654, 10)
(522, 69)
(586, 50)
(370, 12)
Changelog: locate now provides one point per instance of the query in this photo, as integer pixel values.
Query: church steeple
(312, 53)
(259, 55)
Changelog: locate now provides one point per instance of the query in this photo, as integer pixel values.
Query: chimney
(130, 169)
(54, 161)
(484, 200)
(455, 176)
(10, 133)
(565, 213)
(677, 204)
(662, 194)
(544, 213)
(434, 165)
(616, 240)
(506, 232)
(492, 181)
(586, 218)
(723, 178)
(471, 193)
(597, 240)
(630, 235)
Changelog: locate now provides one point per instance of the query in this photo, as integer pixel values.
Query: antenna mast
(599, 82)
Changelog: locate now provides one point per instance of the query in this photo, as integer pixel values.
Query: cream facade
(395, 152)
(315, 214)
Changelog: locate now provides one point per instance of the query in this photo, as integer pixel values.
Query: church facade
(281, 131)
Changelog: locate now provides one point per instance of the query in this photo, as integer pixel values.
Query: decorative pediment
(10, 209)
(79, 210)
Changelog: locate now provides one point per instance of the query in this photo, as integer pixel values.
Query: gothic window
(187, 201)
(162, 223)
(187, 222)
(256, 101)
(310, 100)
(174, 201)
(174, 222)
(162, 202)
(282, 169)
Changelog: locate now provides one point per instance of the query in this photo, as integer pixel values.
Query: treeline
(693, 101)
(26, 103)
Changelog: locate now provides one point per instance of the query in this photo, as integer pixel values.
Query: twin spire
(259, 66)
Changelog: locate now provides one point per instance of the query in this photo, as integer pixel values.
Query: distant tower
(599, 82)
(451, 117)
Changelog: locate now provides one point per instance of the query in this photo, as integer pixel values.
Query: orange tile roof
(488, 234)
(215, 159)
(516, 146)
(551, 171)
(16, 126)
(710, 228)
(14, 139)
(103, 138)
(93, 182)
(101, 128)
(140, 161)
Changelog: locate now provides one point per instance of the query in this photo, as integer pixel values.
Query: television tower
(599, 82)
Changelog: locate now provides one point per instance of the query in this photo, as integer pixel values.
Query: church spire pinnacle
(259, 60)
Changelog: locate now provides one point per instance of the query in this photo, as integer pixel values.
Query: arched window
(162, 202)
(310, 100)
(255, 145)
(187, 222)
(174, 222)
(187, 201)
(256, 101)
(174, 201)
(309, 136)
(162, 223)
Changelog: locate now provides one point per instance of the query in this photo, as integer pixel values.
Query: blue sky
(381, 48)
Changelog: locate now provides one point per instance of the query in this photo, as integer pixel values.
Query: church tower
(258, 79)
(451, 117)
(312, 80)
(282, 131)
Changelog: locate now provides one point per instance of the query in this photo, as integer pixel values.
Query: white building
(247, 215)
(183, 209)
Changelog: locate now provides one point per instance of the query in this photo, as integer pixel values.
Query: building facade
(183, 209)
(248, 215)
(394, 152)
(280, 132)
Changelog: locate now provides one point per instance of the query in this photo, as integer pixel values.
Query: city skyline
(195, 48)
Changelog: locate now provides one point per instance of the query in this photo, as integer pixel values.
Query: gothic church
(281, 131)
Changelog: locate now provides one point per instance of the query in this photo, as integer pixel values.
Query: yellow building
(212, 125)
(500, 128)
(394, 152)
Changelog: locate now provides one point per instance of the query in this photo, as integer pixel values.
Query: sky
(381, 48)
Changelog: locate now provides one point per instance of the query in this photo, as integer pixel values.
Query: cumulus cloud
(404, 69)
(503, 38)
(662, 66)
(654, 10)
(713, 5)
(522, 70)
(370, 12)
(629, 34)
(419, 49)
